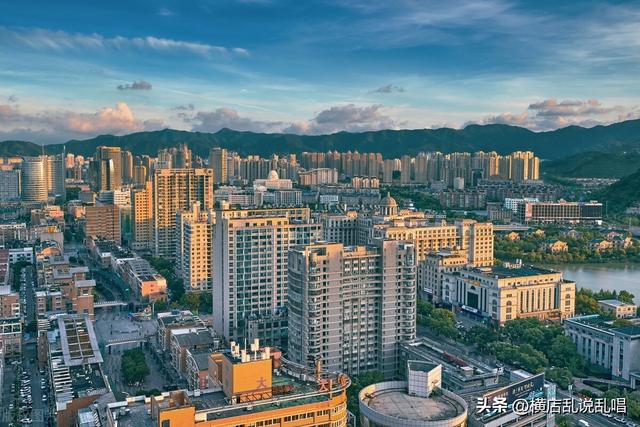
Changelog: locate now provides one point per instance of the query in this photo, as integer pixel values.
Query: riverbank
(605, 276)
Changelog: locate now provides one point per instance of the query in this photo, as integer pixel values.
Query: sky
(77, 69)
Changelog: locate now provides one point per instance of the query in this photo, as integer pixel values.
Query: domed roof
(388, 201)
(273, 176)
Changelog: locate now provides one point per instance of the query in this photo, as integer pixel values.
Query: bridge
(128, 340)
(114, 303)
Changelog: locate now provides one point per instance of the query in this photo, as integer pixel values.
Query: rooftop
(78, 341)
(501, 272)
(595, 321)
(398, 404)
(614, 302)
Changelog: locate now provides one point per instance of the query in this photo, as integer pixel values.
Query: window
(166, 423)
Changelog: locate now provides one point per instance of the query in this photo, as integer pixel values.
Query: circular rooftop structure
(388, 404)
(388, 201)
(273, 176)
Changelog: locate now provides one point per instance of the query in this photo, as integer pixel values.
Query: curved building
(34, 179)
(418, 402)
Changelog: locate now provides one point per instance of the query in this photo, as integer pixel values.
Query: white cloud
(43, 39)
(61, 125)
(550, 114)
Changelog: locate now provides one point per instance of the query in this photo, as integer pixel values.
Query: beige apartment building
(432, 270)
(142, 217)
(193, 254)
(474, 238)
(103, 221)
(250, 262)
(175, 190)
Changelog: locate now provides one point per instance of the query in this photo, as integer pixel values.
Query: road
(27, 368)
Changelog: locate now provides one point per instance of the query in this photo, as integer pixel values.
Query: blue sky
(77, 69)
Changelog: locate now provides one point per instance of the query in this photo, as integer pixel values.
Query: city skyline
(83, 70)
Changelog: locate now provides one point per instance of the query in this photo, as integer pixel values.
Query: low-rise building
(145, 282)
(175, 321)
(511, 291)
(250, 391)
(459, 374)
(618, 309)
(600, 245)
(554, 246)
(561, 212)
(11, 335)
(485, 410)
(183, 341)
(420, 401)
(613, 348)
(74, 361)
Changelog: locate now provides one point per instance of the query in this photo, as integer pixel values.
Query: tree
(560, 376)
(563, 352)
(358, 383)
(190, 301)
(626, 296)
(31, 327)
(133, 366)
(586, 303)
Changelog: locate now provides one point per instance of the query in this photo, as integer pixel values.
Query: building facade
(250, 254)
(351, 306)
(175, 190)
(613, 348)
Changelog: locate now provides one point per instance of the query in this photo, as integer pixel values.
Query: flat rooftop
(615, 303)
(594, 320)
(398, 404)
(506, 272)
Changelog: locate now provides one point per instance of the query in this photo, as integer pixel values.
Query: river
(604, 276)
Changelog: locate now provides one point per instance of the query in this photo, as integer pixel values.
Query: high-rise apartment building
(127, 167)
(103, 221)
(218, 162)
(351, 306)
(107, 168)
(34, 179)
(180, 156)
(56, 174)
(524, 166)
(193, 255)
(9, 183)
(142, 217)
(175, 190)
(140, 175)
(250, 253)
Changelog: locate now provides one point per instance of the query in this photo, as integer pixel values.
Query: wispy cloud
(389, 88)
(59, 41)
(137, 85)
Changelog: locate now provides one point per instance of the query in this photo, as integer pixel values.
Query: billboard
(528, 389)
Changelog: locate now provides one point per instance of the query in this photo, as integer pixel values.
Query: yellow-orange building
(250, 391)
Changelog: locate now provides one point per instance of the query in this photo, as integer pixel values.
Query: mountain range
(557, 144)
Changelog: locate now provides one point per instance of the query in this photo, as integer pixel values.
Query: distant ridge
(572, 140)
